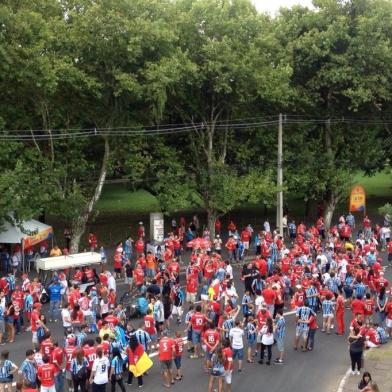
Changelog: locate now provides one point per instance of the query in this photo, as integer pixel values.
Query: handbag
(142, 365)
(218, 370)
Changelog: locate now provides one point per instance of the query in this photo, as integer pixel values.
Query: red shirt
(211, 337)
(117, 261)
(149, 325)
(47, 347)
(57, 358)
(373, 336)
(262, 318)
(285, 265)
(191, 286)
(69, 354)
(299, 298)
(178, 347)
(174, 267)
(46, 373)
(388, 310)
(227, 358)
(139, 246)
(111, 320)
(340, 304)
(198, 321)
(245, 236)
(33, 320)
(369, 306)
(358, 306)
(138, 274)
(166, 349)
(91, 354)
(269, 296)
(105, 345)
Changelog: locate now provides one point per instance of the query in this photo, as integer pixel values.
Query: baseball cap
(37, 305)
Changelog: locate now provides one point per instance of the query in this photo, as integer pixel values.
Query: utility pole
(279, 183)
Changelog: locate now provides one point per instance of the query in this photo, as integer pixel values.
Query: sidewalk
(378, 362)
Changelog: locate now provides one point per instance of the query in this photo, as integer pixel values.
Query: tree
(336, 78)
(228, 67)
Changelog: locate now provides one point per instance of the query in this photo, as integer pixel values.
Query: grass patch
(378, 186)
(118, 198)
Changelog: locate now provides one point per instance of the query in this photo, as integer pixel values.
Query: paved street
(321, 369)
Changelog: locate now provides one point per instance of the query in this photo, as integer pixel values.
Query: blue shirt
(360, 289)
(117, 365)
(280, 328)
(29, 371)
(55, 292)
(80, 337)
(76, 366)
(251, 331)
(143, 338)
(228, 324)
(311, 300)
(327, 307)
(304, 313)
(5, 369)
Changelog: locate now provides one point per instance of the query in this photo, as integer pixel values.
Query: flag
(357, 199)
(142, 365)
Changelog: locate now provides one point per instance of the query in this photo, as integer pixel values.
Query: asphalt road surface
(319, 370)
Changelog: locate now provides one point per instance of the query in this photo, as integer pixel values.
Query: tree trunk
(79, 224)
(211, 218)
(331, 202)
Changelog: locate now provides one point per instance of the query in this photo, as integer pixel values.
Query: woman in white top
(100, 372)
(267, 340)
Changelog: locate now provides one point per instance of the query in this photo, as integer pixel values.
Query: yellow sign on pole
(357, 199)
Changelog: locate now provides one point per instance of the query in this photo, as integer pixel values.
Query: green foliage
(132, 64)
(386, 209)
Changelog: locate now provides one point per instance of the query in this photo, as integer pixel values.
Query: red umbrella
(199, 243)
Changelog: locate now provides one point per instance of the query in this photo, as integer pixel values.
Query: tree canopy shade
(87, 82)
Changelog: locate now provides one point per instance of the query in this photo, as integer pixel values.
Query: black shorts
(117, 270)
(389, 256)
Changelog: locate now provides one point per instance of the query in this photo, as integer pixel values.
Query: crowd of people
(310, 269)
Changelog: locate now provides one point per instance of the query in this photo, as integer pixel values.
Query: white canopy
(70, 261)
(12, 234)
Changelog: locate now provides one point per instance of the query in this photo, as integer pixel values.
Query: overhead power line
(171, 129)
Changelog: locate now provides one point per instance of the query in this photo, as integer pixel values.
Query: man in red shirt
(149, 327)
(166, 352)
(245, 238)
(231, 246)
(340, 313)
(69, 353)
(269, 296)
(369, 307)
(178, 350)
(90, 352)
(358, 306)
(198, 321)
(57, 358)
(92, 240)
(46, 373)
(35, 323)
(211, 340)
(47, 345)
(191, 289)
